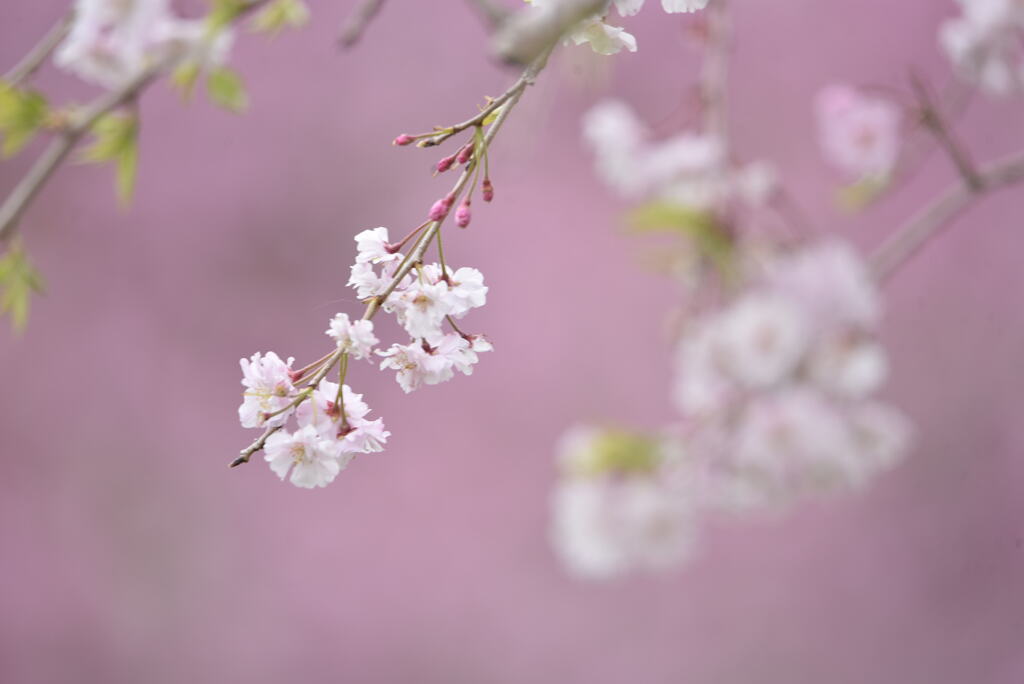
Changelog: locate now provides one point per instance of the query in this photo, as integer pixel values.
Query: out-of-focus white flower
(794, 441)
(615, 509)
(356, 338)
(881, 435)
(756, 183)
(764, 336)
(604, 527)
(858, 133)
(113, 41)
(268, 389)
(849, 368)
(603, 38)
(984, 44)
(313, 460)
(689, 169)
(832, 282)
(702, 386)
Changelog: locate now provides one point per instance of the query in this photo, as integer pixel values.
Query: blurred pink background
(130, 553)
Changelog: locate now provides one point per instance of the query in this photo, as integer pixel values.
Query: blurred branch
(493, 12)
(714, 78)
(26, 190)
(933, 121)
(358, 22)
(906, 241)
(531, 32)
(38, 55)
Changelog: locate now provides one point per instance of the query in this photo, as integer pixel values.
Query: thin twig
(38, 55)
(422, 243)
(358, 22)
(714, 76)
(480, 117)
(906, 241)
(932, 119)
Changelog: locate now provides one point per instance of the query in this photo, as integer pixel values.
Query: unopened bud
(403, 140)
(465, 154)
(487, 190)
(441, 207)
(445, 164)
(462, 214)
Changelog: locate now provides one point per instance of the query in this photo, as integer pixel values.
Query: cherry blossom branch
(25, 191)
(438, 137)
(358, 22)
(40, 172)
(509, 99)
(35, 58)
(906, 241)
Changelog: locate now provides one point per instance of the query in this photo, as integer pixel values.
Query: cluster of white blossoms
(621, 504)
(776, 389)
(776, 398)
(332, 423)
(689, 169)
(422, 302)
(606, 39)
(984, 43)
(859, 134)
(113, 41)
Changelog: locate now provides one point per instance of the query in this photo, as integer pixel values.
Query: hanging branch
(935, 217)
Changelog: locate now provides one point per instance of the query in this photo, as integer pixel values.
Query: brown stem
(38, 55)
(358, 22)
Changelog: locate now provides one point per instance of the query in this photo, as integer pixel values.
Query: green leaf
(226, 89)
(616, 451)
(223, 13)
(18, 280)
(702, 228)
(858, 196)
(117, 140)
(22, 114)
(185, 78)
(280, 15)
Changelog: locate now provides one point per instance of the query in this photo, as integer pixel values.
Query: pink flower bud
(487, 190)
(445, 164)
(465, 154)
(441, 207)
(462, 214)
(403, 140)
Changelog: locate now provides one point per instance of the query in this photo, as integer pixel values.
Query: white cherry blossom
(312, 460)
(268, 389)
(354, 433)
(356, 338)
(858, 133)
